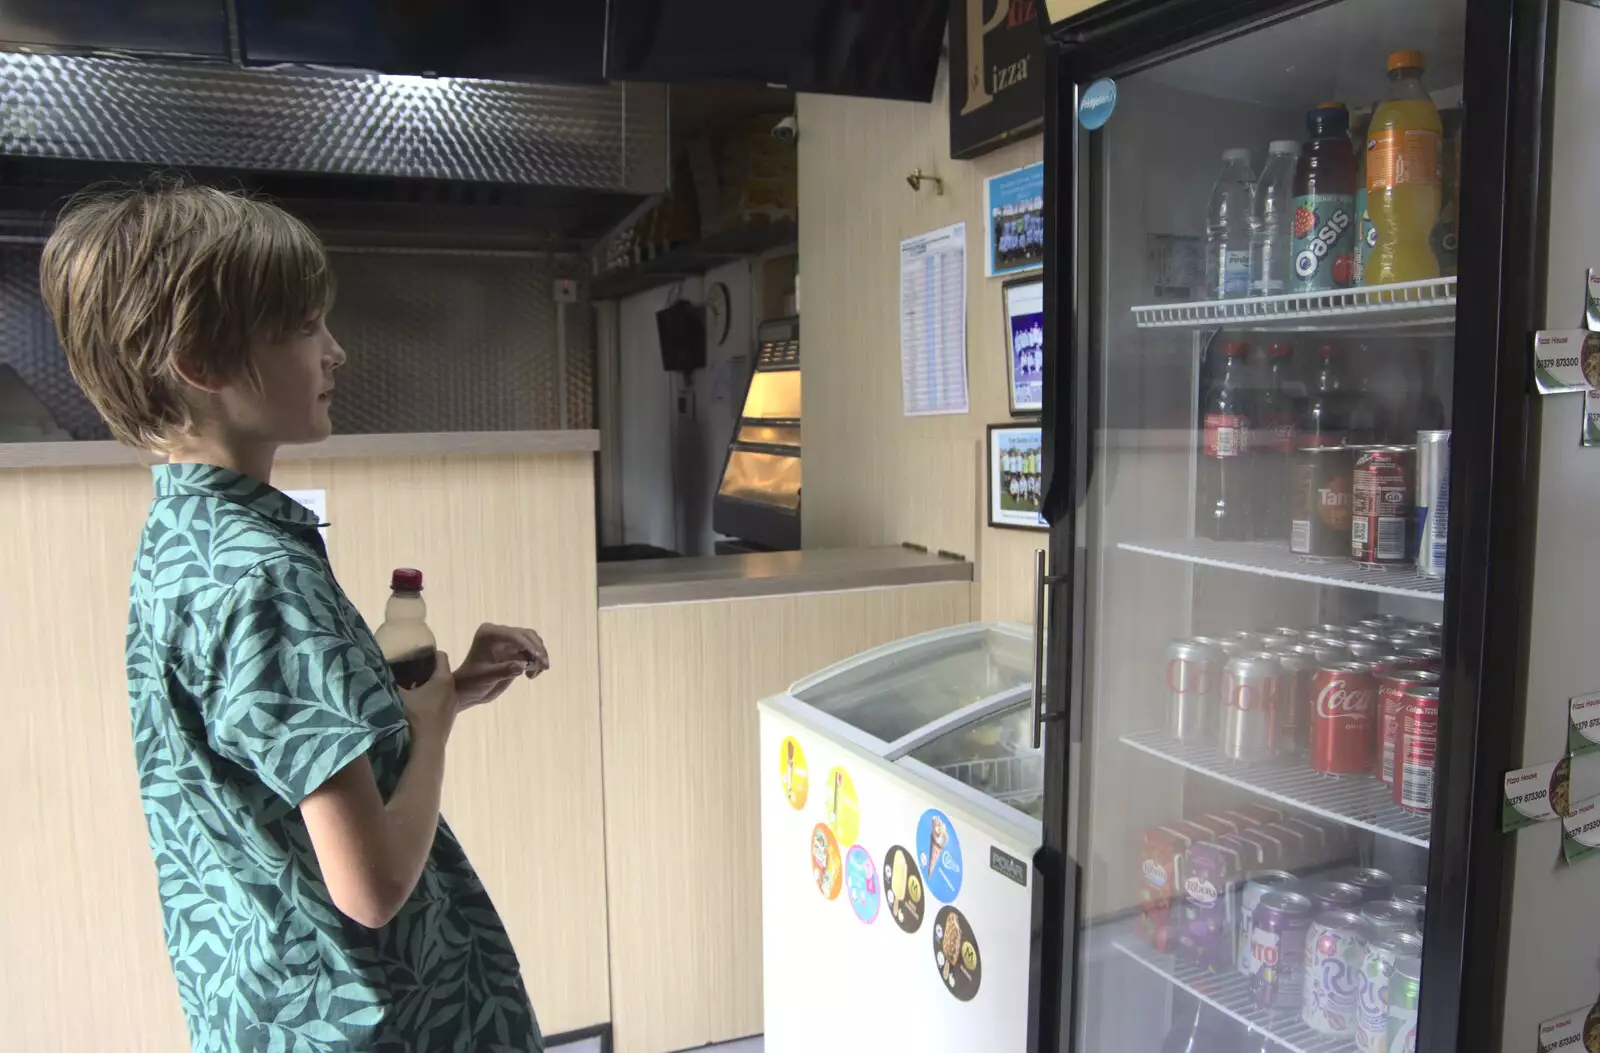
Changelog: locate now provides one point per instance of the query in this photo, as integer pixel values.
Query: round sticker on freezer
(939, 855)
(902, 889)
(955, 952)
(826, 866)
(861, 883)
(844, 811)
(1098, 101)
(792, 774)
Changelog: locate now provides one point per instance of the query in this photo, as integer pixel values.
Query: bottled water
(1271, 259)
(1228, 228)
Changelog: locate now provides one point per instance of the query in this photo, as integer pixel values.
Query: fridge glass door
(894, 691)
(1271, 379)
(994, 756)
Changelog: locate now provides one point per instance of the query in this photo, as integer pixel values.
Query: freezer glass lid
(901, 689)
(994, 756)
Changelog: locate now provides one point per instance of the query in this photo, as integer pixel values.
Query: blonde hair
(143, 280)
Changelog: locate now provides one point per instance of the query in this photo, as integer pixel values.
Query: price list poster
(933, 322)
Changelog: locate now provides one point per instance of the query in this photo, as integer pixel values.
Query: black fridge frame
(1505, 173)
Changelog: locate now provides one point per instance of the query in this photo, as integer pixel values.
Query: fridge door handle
(1041, 582)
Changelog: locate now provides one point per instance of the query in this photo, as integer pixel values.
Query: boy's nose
(337, 355)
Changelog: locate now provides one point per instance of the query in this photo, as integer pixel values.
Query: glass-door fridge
(1287, 257)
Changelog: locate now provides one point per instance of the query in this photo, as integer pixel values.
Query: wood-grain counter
(687, 648)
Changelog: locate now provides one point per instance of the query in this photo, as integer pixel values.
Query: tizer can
(1405, 993)
(1416, 744)
(1380, 505)
(1343, 719)
(1250, 692)
(1391, 690)
(1377, 971)
(1256, 886)
(1278, 947)
(1319, 501)
(1334, 953)
(1433, 502)
(1194, 687)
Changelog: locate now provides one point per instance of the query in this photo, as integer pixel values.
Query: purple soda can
(1256, 885)
(1209, 926)
(1334, 953)
(1278, 933)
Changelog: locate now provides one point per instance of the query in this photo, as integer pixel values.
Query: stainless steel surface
(611, 137)
(1039, 559)
(771, 574)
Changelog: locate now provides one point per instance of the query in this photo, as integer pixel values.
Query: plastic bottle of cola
(404, 637)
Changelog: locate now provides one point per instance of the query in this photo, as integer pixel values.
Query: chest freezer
(900, 810)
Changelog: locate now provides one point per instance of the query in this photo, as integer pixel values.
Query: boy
(313, 897)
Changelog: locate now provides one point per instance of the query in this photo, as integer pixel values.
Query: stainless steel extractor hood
(598, 150)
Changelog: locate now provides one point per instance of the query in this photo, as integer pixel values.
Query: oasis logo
(1311, 257)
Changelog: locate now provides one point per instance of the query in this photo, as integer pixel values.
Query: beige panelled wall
(82, 962)
(873, 475)
(683, 820)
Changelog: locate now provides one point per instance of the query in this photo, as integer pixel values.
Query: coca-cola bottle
(1366, 426)
(1272, 443)
(1226, 464)
(1323, 421)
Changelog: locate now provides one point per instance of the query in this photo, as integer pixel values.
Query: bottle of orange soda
(1403, 177)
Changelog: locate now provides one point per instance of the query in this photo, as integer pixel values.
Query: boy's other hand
(431, 708)
(499, 654)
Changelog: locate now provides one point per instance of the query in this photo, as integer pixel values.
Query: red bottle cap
(406, 580)
(1279, 350)
(1235, 347)
(1327, 351)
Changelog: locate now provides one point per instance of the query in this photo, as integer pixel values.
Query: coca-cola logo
(1155, 874)
(1250, 697)
(1338, 699)
(1190, 678)
(1200, 891)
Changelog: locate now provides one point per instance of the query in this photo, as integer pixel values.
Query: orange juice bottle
(1403, 178)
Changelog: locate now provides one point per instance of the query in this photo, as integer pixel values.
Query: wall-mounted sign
(1061, 10)
(996, 73)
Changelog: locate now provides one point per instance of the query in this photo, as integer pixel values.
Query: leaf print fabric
(252, 679)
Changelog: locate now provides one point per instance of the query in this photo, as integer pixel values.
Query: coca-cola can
(1380, 505)
(1391, 689)
(1278, 932)
(1343, 719)
(1194, 688)
(1332, 652)
(1366, 650)
(1250, 692)
(1430, 657)
(1416, 743)
(1300, 664)
(1333, 958)
(1256, 885)
(1383, 950)
(1242, 642)
(1275, 639)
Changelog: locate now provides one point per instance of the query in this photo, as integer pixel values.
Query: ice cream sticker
(939, 855)
(792, 774)
(861, 883)
(1566, 360)
(844, 811)
(826, 866)
(1583, 724)
(955, 952)
(902, 889)
(1577, 1031)
(1580, 831)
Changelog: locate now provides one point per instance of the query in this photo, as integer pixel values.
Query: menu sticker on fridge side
(1583, 724)
(1575, 1031)
(1565, 359)
(1580, 831)
(1590, 436)
(1546, 791)
(1591, 301)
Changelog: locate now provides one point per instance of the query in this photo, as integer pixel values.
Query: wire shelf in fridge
(1431, 302)
(1003, 778)
(1275, 560)
(1230, 993)
(1355, 800)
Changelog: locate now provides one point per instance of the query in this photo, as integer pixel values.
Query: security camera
(786, 130)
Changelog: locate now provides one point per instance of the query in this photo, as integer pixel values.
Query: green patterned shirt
(252, 679)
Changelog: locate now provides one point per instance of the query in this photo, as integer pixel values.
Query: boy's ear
(196, 375)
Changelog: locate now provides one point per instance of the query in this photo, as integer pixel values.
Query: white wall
(674, 436)
(1553, 957)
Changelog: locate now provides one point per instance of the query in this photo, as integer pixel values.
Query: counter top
(651, 581)
(413, 444)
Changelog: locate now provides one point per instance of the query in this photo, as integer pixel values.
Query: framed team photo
(1016, 477)
(1024, 336)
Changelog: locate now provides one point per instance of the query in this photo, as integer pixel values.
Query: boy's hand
(498, 656)
(431, 708)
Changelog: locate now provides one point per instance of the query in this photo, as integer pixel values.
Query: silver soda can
(1335, 895)
(1278, 934)
(1374, 884)
(1274, 639)
(1334, 955)
(1432, 510)
(1390, 915)
(1300, 664)
(1330, 629)
(1384, 950)
(1416, 895)
(1362, 649)
(1333, 652)
(1250, 692)
(1194, 688)
(1255, 886)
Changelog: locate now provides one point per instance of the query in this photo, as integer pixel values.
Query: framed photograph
(1024, 309)
(1013, 204)
(1016, 476)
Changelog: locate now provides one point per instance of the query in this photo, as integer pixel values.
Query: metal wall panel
(608, 137)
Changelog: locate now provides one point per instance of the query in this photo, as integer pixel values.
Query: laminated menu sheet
(933, 322)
